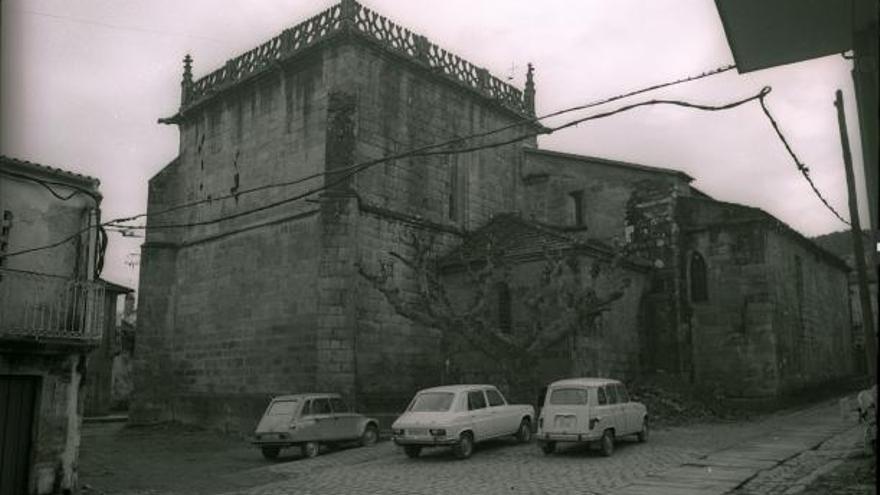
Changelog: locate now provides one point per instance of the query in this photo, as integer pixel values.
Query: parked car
(460, 416)
(595, 410)
(308, 421)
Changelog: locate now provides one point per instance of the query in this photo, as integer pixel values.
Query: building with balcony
(52, 314)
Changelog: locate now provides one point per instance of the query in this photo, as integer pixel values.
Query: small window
(339, 405)
(476, 400)
(622, 394)
(320, 406)
(432, 402)
(602, 398)
(282, 408)
(568, 397)
(307, 408)
(576, 208)
(611, 392)
(699, 282)
(505, 318)
(495, 398)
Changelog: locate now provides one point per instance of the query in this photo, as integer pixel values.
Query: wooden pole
(858, 246)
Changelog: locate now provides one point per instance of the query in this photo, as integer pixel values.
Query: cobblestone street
(505, 467)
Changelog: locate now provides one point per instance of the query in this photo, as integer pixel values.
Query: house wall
(733, 335)
(759, 336)
(56, 425)
(269, 303)
(811, 323)
(607, 188)
(394, 106)
(229, 310)
(34, 217)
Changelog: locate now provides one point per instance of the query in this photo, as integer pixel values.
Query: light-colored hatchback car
(460, 416)
(595, 410)
(309, 420)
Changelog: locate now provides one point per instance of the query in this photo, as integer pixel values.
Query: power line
(426, 151)
(521, 122)
(355, 169)
(804, 170)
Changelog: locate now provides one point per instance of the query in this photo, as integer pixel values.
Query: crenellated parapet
(348, 16)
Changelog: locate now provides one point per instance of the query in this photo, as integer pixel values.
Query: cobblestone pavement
(509, 468)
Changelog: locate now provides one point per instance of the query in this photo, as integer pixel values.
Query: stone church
(252, 288)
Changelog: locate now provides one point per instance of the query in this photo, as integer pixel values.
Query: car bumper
(566, 437)
(403, 440)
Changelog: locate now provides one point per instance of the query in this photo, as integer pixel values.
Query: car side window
(476, 400)
(603, 399)
(611, 391)
(622, 394)
(320, 406)
(495, 398)
(339, 405)
(307, 408)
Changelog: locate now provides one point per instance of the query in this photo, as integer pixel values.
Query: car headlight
(438, 432)
(398, 431)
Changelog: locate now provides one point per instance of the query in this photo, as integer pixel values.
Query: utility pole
(858, 245)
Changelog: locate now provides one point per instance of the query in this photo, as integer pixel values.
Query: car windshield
(432, 402)
(568, 396)
(282, 408)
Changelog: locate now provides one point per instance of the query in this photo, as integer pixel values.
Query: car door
(345, 422)
(321, 414)
(603, 414)
(502, 420)
(627, 410)
(615, 409)
(478, 414)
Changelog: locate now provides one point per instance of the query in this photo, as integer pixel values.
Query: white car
(309, 420)
(595, 410)
(460, 416)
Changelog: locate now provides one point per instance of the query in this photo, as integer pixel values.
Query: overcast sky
(83, 82)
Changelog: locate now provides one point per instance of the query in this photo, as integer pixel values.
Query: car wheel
(548, 447)
(310, 449)
(524, 433)
(606, 445)
(412, 451)
(643, 435)
(271, 452)
(370, 436)
(465, 446)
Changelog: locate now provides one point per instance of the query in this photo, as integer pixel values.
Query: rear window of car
(432, 402)
(568, 396)
(282, 408)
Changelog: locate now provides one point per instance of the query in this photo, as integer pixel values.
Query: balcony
(43, 307)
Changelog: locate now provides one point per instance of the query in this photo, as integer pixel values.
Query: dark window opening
(476, 400)
(455, 192)
(699, 279)
(505, 318)
(577, 208)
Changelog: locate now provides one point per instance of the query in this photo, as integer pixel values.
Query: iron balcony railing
(47, 306)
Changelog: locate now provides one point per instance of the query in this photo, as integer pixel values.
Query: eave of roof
(44, 171)
(613, 163)
(759, 215)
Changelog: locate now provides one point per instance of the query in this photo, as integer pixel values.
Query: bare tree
(563, 299)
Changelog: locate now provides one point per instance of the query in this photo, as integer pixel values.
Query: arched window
(505, 319)
(699, 282)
